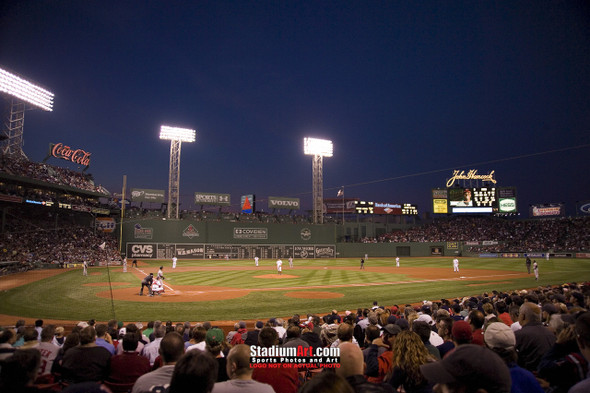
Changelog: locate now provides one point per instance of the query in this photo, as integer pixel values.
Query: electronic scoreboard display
(473, 200)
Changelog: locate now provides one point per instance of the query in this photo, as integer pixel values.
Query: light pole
(318, 148)
(176, 136)
(22, 95)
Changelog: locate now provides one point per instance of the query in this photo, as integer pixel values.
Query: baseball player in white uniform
(291, 262)
(279, 266)
(455, 265)
(125, 265)
(536, 270)
(174, 259)
(397, 261)
(256, 261)
(85, 268)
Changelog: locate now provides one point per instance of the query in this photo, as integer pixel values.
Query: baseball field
(216, 290)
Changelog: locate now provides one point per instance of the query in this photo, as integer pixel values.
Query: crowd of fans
(50, 174)
(563, 234)
(521, 341)
(39, 241)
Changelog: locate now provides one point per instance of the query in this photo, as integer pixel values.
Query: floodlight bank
(25, 90)
(318, 147)
(177, 134)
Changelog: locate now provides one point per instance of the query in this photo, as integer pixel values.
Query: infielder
(455, 265)
(125, 265)
(397, 261)
(279, 266)
(174, 259)
(536, 270)
(291, 262)
(362, 264)
(85, 268)
(256, 261)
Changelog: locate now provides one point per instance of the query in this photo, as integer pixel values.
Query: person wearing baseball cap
(379, 366)
(500, 338)
(469, 368)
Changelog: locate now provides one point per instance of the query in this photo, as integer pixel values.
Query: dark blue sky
(400, 87)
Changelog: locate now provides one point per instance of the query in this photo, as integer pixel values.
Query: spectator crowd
(520, 341)
(50, 174)
(37, 240)
(563, 234)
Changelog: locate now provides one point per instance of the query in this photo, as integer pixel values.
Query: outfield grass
(64, 296)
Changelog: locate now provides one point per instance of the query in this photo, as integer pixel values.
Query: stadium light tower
(176, 136)
(318, 148)
(21, 95)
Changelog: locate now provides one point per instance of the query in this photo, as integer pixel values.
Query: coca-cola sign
(64, 152)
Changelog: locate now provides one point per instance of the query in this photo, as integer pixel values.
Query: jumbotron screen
(473, 200)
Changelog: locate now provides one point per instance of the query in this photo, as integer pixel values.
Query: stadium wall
(389, 250)
(159, 239)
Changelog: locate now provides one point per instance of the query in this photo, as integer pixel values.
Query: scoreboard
(474, 200)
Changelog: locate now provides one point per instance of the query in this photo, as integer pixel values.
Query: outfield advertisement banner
(283, 203)
(547, 210)
(208, 198)
(105, 224)
(146, 195)
(231, 251)
(141, 250)
(340, 205)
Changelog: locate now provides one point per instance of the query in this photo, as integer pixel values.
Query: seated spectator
(128, 366)
(293, 338)
(103, 339)
(47, 349)
(469, 368)
(409, 353)
(240, 373)
(445, 328)
(88, 362)
(198, 338)
(476, 320)
(151, 350)
(500, 339)
(30, 336)
(534, 339)
(215, 345)
(352, 368)
(423, 331)
(171, 349)
(7, 338)
(194, 372)
(252, 335)
(583, 336)
(19, 372)
(379, 366)
(281, 379)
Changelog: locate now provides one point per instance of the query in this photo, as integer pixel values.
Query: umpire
(147, 282)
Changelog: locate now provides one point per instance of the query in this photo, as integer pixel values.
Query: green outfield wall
(186, 239)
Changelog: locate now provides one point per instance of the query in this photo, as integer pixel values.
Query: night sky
(407, 91)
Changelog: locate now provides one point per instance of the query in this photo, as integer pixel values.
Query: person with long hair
(409, 353)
